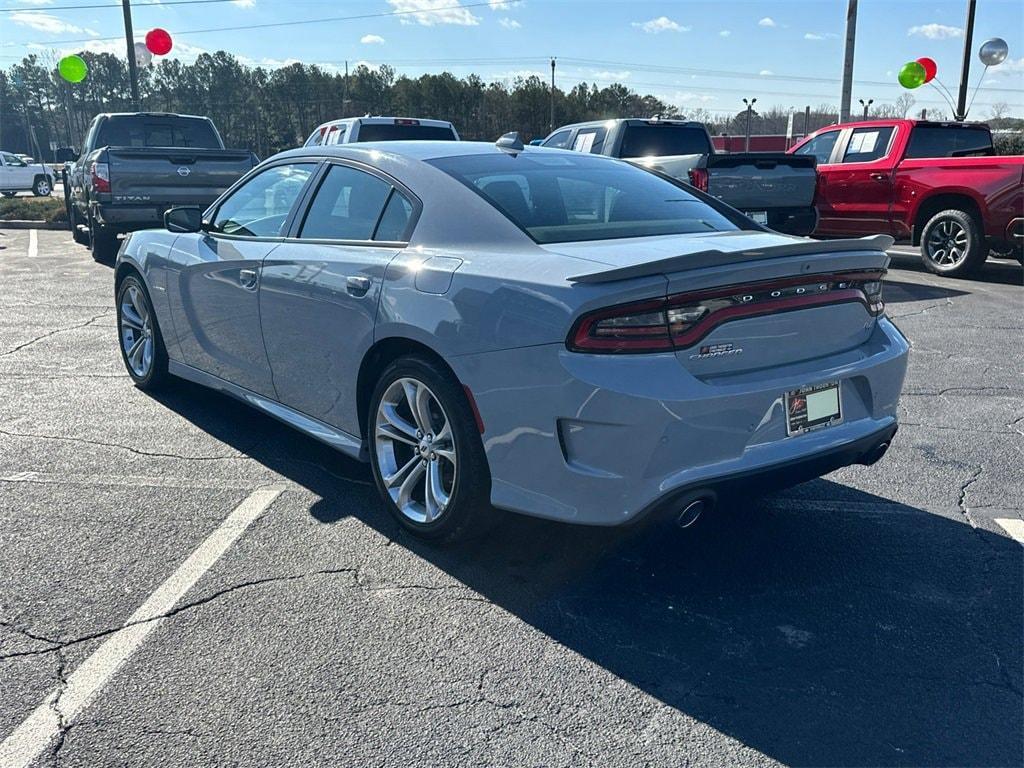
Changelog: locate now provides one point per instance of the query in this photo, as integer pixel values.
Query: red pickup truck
(938, 185)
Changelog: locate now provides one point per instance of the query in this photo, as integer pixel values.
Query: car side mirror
(183, 219)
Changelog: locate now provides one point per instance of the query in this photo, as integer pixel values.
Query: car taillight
(699, 178)
(100, 174)
(681, 320)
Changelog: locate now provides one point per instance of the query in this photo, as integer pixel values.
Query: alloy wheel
(947, 244)
(43, 188)
(137, 331)
(415, 450)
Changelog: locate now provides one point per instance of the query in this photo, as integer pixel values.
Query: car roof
(386, 119)
(631, 121)
(413, 150)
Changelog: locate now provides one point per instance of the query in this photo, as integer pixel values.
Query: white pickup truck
(358, 129)
(16, 175)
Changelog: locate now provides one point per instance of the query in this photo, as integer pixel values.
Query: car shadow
(1001, 271)
(899, 292)
(822, 626)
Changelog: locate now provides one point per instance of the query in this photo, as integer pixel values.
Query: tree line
(268, 110)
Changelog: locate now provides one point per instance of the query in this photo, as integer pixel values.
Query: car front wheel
(42, 187)
(426, 453)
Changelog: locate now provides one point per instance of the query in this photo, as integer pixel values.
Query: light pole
(851, 39)
(965, 69)
(133, 70)
(750, 111)
(551, 119)
(866, 104)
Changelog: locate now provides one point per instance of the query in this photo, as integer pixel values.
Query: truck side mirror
(65, 155)
(184, 219)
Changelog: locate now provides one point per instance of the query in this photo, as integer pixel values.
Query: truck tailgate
(174, 176)
(763, 180)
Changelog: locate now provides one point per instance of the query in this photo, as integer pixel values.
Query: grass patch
(50, 209)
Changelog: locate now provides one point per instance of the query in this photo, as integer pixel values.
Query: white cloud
(725, 33)
(36, 2)
(47, 22)
(509, 23)
(660, 24)
(688, 97)
(431, 12)
(767, 21)
(503, 5)
(244, 3)
(766, 72)
(617, 77)
(371, 40)
(1011, 65)
(820, 36)
(935, 31)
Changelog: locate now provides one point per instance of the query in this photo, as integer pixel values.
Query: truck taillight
(681, 320)
(699, 178)
(100, 177)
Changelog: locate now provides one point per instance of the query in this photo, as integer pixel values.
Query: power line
(275, 24)
(49, 8)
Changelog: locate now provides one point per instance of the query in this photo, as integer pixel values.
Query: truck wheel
(9, 194)
(42, 187)
(102, 243)
(82, 238)
(952, 244)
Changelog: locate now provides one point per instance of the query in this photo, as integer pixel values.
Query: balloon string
(943, 92)
(980, 79)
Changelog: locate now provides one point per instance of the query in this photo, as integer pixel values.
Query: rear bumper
(128, 218)
(603, 440)
(793, 221)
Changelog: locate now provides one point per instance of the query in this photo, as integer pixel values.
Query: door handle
(880, 176)
(357, 286)
(248, 278)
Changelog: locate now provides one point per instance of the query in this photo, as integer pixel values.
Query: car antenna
(510, 143)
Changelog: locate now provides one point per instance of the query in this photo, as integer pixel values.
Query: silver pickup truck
(772, 188)
(134, 166)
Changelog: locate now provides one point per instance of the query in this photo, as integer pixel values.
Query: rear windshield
(144, 131)
(949, 141)
(558, 197)
(665, 139)
(391, 132)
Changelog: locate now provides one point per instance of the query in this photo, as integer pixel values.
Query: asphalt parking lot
(873, 617)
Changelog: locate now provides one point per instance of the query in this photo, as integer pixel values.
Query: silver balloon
(142, 55)
(993, 52)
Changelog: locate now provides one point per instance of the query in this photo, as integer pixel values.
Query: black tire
(468, 512)
(157, 375)
(9, 194)
(82, 238)
(102, 242)
(42, 187)
(952, 244)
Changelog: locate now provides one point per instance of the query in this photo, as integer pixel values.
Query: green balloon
(73, 69)
(912, 75)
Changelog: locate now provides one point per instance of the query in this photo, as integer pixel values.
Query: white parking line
(33, 243)
(1013, 526)
(62, 706)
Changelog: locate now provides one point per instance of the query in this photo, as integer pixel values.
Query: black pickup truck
(134, 166)
(772, 188)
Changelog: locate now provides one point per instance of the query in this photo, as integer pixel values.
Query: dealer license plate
(761, 217)
(815, 407)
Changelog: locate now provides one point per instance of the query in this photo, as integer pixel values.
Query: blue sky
(692, 54)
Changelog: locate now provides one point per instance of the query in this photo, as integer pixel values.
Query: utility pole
(344, 95)
(851, 39)
(750, 111)
(133, 69)
(965, 68)
(866, 104)
(551, 119)
(807, 120)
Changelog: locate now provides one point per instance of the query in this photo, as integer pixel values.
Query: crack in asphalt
(962, 501)
(922, 311)
(130, 449)
(55, 331)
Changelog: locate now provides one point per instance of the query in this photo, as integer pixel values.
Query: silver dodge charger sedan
(558, 334)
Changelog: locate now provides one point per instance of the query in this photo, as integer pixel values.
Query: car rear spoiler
(714, 257)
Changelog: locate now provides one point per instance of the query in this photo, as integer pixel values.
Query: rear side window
(949, 141)
(558, 140)
(347, 205)
(867, 145)
(590, 140)
(146, 131)
(664, 139)
(392, 132)
(571, 197)
(820, 146)
(395, 220)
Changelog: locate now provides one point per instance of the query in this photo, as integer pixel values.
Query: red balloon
(930, 68)
(158, 41)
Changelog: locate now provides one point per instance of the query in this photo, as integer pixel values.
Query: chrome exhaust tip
(692, 511)
(875, 454)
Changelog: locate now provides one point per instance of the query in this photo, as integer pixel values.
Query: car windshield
(156, 131)
(558, 197)
(393, 132)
